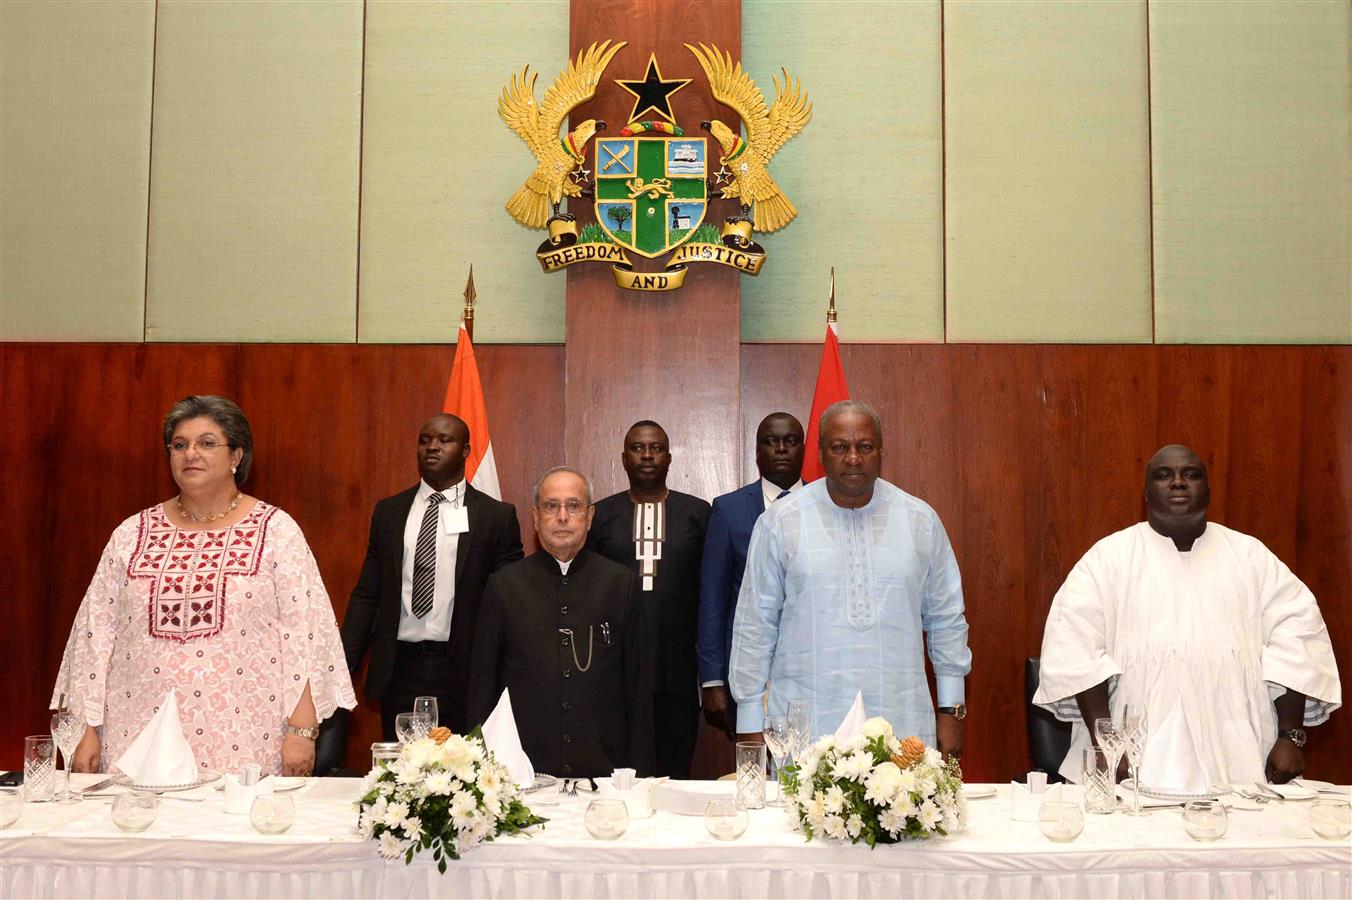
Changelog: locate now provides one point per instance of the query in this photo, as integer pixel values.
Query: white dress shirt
(436, 625)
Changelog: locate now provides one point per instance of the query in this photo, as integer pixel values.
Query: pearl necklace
(204, 519)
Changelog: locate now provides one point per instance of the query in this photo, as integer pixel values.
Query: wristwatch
(958, 712)
(309, 734)
(1294, 735)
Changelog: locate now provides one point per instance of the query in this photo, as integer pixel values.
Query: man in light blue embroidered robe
(841, 580)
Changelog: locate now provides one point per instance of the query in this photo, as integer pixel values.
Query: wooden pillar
(672, 357)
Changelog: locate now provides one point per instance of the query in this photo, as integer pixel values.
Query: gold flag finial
(467, 317)
(831, 309)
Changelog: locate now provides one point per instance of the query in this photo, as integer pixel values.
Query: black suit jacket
(372, 619)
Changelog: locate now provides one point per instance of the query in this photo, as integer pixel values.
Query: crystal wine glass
(66, 731)
(1136, 730)
(800, 728)
(411, 726)
(428, 707)
(1113, 743)
(776, 731)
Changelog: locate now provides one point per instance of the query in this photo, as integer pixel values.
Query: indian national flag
(465, 398)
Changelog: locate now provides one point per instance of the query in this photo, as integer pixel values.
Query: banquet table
(195, 849)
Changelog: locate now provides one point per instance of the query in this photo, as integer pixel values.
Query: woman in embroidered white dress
(215, 595)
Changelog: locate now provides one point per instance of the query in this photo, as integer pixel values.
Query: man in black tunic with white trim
(563, 630)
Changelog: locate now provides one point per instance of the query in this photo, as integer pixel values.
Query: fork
(1260, 799)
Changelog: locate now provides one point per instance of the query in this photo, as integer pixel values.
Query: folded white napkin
(853, 723)
(504, 742)
(1171, 764)
(160, 755)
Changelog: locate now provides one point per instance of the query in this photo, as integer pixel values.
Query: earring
(234, 469)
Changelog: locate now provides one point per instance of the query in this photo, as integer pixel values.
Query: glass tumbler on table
(1113, 744)
(1060, 820)
(1099, 796)
(776, 731)
(1205, 820)
(725, 820)
(1330, 818)
(272, 814)
(67, 729)
(135, 811)
(39, 763)
(606, 819)
(751, 774)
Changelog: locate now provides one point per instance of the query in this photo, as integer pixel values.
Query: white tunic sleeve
(755, 628)
(1075, 647)
(1297, 652)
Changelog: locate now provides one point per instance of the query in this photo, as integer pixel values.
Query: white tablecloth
(195, 849)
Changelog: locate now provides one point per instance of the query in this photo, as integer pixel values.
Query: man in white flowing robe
(842, 578)
(1176, 612)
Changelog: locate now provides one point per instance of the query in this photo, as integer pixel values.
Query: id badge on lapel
(455, 520)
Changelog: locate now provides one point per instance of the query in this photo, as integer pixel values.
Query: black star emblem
(722, 176)
(652, 92)
(580, 175)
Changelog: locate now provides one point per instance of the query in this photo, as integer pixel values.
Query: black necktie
(782, 495)
(425, 559)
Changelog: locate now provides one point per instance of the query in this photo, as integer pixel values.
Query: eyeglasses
(574, 508)
(204, 445)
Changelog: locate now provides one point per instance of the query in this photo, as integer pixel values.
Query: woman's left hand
(298, 755)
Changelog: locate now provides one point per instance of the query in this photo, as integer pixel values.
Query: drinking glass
(776, 731)
(1136, 729)
(751, 774)
(1060, 820)
(725, 820)
(411, 726)
(383, 752)
(428, 707)
(1331, 819)
(1099, 796)
(1204, 820)
(66, 732)
(38, 762)
(606, 820)
(11, 805)
(272, 814)
(135, 811)
(800, 728)
(1113, 744)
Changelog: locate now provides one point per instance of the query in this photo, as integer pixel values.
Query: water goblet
(1136, 730)
(67, 729)
(135, 811)
(39, 760)
(1060, 820)
(1099, 796)
(725, 820)
(428, 707)
(11, 805)
(606, 820)
(272, 814)
(800, 728)
(411, 726)
(1205, 820)
(1331, 819)
(776, 731)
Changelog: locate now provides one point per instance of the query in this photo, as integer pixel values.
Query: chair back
(1048, 736)
(331, 745)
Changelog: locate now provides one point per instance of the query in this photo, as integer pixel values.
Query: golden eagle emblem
(539, 127)
(766, 132)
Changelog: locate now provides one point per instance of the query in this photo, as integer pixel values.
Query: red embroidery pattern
(188, 569)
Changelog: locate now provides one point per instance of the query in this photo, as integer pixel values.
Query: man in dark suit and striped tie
(779, 458)
(416, 603)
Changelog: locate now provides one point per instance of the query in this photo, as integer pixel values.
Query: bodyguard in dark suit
(779, 458)
(416, 603)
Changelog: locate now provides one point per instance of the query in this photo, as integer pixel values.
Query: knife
(1269, 791)
(107, 782)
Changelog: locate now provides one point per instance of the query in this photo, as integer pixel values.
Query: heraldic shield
(650, 191)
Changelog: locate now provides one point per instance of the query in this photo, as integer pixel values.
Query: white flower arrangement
(874, 788)
(445, 793)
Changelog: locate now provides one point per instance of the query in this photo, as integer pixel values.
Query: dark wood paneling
(1028, 453)
(334, 430)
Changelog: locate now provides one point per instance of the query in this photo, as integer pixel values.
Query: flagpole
(831, 309)
(467, 316)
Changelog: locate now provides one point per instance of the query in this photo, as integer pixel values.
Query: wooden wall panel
(1028, 453)
(334, 431)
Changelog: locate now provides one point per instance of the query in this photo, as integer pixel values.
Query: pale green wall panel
(438, 166)
(254, 171)
(1253, 190)
(1048, 171)
(865, 174)
(74, 162)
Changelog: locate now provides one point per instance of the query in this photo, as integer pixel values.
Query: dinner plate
(207, 778)
(978, 791)
(280, 783)
(1214, 793)
(542, 781)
